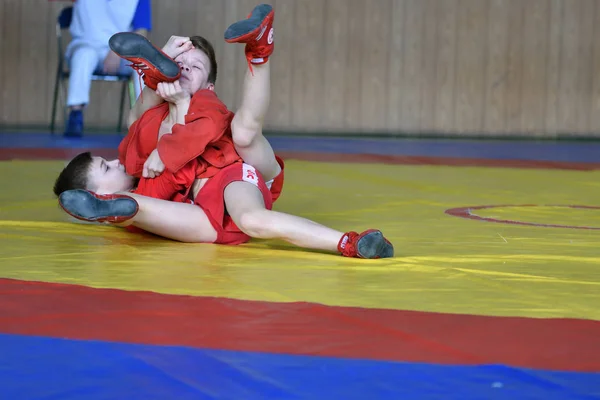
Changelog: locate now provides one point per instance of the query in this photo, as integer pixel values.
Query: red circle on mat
(467, 212)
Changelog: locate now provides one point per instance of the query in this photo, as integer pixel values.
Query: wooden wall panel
(471, 46)
(446, 67)
(429, 62)
(373, 87)
(484, 67)
(535, 40)
(335, 53)
(11, 66)
(553, 65)
(514, 68)
(585, 71)
(496, 71)
(307, 64)
(594, 109)
(280, 111)
(569, 65)
(411, 66)
(352, 70)
(395, 82)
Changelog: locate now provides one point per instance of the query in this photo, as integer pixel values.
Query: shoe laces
(254, 51)
(139, 68)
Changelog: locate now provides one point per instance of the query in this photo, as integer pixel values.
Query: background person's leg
(138, 84)
(82, 63)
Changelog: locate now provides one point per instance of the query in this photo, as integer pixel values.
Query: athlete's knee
(255, 223)
(245, 129)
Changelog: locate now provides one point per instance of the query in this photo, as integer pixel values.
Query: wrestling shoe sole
(374, 245)
(84, 206)
(131, 45)
(237, 31)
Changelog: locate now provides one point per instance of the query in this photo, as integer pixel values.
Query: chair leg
(54, 102)
(132, 98)
(131, 94)
(121, 105)
(64, 96)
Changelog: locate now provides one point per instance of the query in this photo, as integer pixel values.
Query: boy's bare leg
(245, 204)
(177, 221)
(247, 125)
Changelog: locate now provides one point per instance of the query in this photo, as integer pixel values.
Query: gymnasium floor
(494, 292)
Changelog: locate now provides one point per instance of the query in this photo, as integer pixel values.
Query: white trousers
(84, 60)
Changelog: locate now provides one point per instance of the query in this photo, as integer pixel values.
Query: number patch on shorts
(249, 174)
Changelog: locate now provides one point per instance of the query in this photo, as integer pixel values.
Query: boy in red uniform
(233, 198)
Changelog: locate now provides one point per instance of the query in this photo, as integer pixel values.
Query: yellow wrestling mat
(443, 263)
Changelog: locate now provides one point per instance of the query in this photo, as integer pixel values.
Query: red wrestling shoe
(147, 60)
(369, 244)
(256, 32)
(87, 206)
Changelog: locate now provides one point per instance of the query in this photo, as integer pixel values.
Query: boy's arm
(175, 46)
(190, 133)
(151, 99)
(187, 142)
(168, 184)
(154, 165)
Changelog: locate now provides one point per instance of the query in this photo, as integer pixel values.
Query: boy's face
(195, 67)
(107, 177)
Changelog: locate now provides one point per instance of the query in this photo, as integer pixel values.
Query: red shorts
(277, 184)
(211, 199)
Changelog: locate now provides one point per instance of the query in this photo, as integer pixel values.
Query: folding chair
(62, 73)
